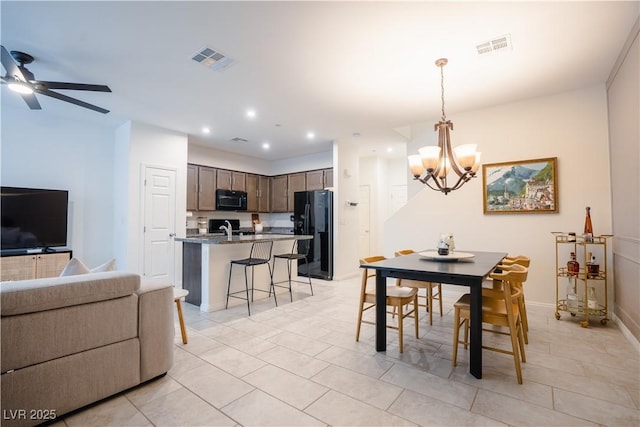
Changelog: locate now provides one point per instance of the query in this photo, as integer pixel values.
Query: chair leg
(400, 328)
(516, 352)
(523, 316)
(416, 315)
(519, 329)
(252, 275)
(229, 286)
(359, 320)
(440, 297)
(430, 303)
(246, 286)
(466, 333)
(456, 336)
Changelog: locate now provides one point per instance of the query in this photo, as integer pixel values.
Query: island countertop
(224, 240)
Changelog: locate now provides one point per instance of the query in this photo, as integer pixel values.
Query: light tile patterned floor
(298, 365)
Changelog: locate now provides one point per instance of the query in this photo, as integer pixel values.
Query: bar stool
(178, 294)
(299, 251)
(260, 254)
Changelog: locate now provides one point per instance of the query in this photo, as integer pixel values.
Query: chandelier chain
(444, 118)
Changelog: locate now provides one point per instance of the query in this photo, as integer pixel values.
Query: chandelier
(433, 165)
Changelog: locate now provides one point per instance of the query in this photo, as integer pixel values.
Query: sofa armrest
(155, 327)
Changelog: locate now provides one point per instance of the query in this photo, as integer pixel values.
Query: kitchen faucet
(227, 229)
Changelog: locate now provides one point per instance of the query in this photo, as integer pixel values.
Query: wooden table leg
(181, 319)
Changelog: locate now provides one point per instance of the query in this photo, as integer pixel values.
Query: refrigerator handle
(306, 218)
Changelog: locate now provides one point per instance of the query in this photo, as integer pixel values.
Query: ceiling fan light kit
(22, 81)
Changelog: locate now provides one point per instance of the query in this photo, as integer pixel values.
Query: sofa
(71, 341)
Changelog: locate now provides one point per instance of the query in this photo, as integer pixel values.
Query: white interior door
(159, 226)
(364, 211)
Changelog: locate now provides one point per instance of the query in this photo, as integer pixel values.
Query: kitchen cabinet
(279, 195)
(251, 182)
(297, 182)
(192, 187)
(206, 188)
(328, 177)
(264, 199)
(231, 180)
(33, 266)
(315, 180)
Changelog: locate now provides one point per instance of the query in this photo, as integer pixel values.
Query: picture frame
(524, 186)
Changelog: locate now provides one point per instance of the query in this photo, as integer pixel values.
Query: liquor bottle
(592, 301)
(572, 295)
(573, 266)
(593, 268)
(588, 227)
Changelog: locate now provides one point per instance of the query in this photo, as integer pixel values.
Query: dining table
(458, 268)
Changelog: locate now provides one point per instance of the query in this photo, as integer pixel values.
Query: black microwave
(231, 200)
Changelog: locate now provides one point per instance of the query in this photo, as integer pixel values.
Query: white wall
(624, 131)
(346, 222)
(571, 126)
(322, 160)
(205, 156)
(41, 151)
(142, 145)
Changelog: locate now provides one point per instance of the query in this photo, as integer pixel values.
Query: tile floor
(298, 365)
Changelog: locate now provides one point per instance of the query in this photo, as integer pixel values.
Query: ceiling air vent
(500, 43)
(236, 139)
(212, 59)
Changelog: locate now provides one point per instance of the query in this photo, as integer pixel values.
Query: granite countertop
(220, 239)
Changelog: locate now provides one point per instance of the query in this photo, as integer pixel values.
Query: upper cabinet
(192, 187)
(279, 195)
(206, 188)
(231, 180)
(264, 193)
(297, 182)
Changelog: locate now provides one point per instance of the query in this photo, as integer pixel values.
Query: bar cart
(586, 281)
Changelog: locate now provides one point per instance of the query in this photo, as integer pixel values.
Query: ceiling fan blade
(31, 101)
(74, 101)
(10, 65)
(71, 86)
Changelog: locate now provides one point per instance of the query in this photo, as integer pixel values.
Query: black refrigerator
(313, 215)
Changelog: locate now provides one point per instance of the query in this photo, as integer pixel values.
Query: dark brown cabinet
(251, 182)
(192, 187)
(206, 188)
(328, 177)
(297, 182)
(315, 180)
(231, 180)
(264, 199)
(279, 195)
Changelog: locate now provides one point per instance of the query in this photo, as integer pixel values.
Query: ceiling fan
(21, 80)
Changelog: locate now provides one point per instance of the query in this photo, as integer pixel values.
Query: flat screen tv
(33, 218)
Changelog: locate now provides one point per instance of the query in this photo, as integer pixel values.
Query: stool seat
(178, 294)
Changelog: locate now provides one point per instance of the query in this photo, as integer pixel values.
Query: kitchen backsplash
(273, 220)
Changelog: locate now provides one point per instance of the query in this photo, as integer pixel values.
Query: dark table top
(416, 265)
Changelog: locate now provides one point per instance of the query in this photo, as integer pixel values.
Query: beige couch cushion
(29, 296)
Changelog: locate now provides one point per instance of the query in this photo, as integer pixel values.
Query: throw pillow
(74, 267)
(107, 266)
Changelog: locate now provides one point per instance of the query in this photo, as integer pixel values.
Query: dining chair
(397, 297)
(427, 286)
(299, 252)
(499, 308)
(496, 284)
(260, 254)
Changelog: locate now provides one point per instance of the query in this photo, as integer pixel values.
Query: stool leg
(181, 319)
(271, 285)
(246, 285)
(289, 275)
(229, 286)
(309, 275)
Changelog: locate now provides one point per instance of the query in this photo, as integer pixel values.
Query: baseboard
(626, 332)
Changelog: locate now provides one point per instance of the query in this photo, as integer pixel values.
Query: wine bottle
(588, 227)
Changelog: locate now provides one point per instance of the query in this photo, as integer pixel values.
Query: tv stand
(25, 266)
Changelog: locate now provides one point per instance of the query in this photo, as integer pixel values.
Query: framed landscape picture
(527, 186)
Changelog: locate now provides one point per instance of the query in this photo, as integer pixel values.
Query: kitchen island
(206, 261)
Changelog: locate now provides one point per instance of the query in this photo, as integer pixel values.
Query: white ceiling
(335, 68)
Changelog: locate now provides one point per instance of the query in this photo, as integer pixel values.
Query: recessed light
(265, 145)
(311, 135)
(206, 130)
(251, 114)
(389, 150)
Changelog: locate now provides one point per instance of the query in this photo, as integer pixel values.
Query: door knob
(172, 234)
